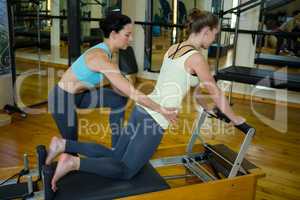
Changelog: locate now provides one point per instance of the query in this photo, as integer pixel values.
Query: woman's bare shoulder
(172, 49)
(95, 52)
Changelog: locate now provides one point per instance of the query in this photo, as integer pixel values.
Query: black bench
(277, 60)
(254, 76)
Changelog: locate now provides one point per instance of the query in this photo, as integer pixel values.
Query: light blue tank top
(84, 73)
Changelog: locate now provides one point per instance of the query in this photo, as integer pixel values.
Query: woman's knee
(129, 173)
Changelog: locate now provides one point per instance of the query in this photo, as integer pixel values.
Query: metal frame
(28, 174)
(32, 176)
(235, 40)
(290, 84)
(192, 162)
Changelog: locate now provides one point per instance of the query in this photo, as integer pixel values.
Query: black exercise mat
(87, 186)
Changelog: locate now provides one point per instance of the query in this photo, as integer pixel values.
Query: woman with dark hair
(77, 87)
(140, 138)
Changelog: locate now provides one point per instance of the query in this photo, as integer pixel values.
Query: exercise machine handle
(218, 114)
(245, 128)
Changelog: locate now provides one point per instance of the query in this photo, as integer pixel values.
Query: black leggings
(63, 105)
(137, 143)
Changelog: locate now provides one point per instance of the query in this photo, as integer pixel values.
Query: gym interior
(255, 60)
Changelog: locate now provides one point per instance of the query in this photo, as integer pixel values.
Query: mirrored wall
(280, 46)
(41, 42)
(168, 30)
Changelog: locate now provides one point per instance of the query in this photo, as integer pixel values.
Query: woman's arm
(117, 90)
(98, 61)
(200, 100)
(197, 64)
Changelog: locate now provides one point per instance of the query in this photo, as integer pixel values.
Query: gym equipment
(27, 180)
(249, 75)
(228, 165)
(241, 7)
(271, 59)
(71, 187)
(221, 172)
(213, 167)
(277, 60)
(224, 164)
(262, 77)
(225, 45)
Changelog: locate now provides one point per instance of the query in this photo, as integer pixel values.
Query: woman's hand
(238, 120)
(171, 114)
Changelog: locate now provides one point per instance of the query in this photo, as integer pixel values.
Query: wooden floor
(274, 152)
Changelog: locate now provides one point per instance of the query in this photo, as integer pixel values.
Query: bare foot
(66, 164)
(56, 147)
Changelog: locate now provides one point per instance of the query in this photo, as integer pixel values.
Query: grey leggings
(63, 105)
(136, 145)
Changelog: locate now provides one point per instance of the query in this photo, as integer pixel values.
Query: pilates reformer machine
(215, 170)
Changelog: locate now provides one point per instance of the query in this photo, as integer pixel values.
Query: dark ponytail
(114, 22)
(198, 19)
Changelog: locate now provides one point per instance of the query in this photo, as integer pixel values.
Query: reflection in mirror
(93, 11)
(283, 22)
(163, 36)
(32, 31)
(281, 46)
